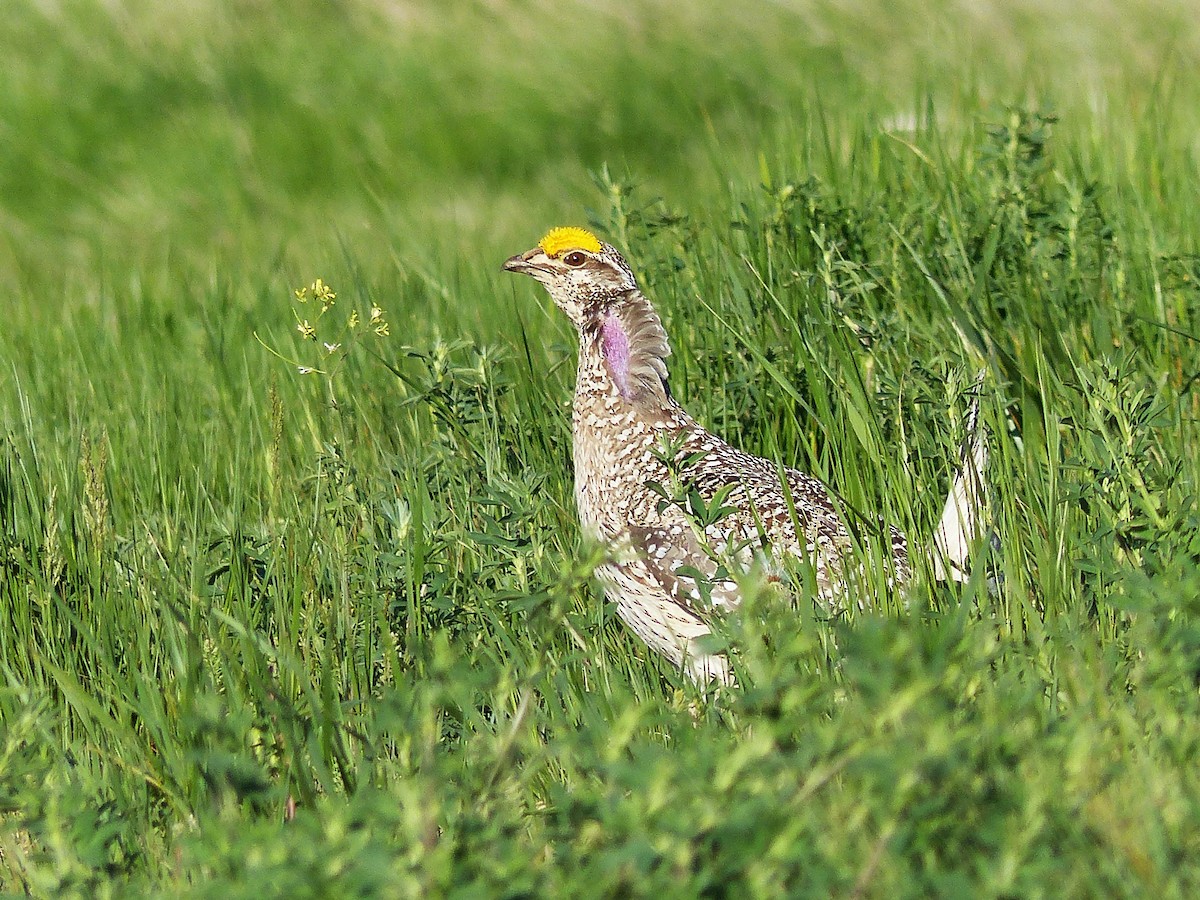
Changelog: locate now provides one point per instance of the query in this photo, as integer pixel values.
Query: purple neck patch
(615, 344)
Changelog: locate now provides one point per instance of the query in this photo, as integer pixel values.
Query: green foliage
(292, 597)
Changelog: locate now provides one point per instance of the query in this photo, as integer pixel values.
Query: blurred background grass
(263, 632)
(148, 131)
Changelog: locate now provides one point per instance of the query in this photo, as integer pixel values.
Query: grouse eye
(574, 258)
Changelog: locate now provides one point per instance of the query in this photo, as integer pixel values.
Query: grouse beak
(522, 262)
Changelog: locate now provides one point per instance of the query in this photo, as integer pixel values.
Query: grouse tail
(962, 522)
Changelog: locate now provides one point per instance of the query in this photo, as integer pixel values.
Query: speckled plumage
(630, 434)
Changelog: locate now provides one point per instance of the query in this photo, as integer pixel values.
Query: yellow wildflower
(324, 293)
(378, 323)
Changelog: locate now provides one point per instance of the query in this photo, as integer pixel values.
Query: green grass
(271, 633)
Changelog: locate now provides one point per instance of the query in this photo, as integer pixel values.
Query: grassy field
(270, 632)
